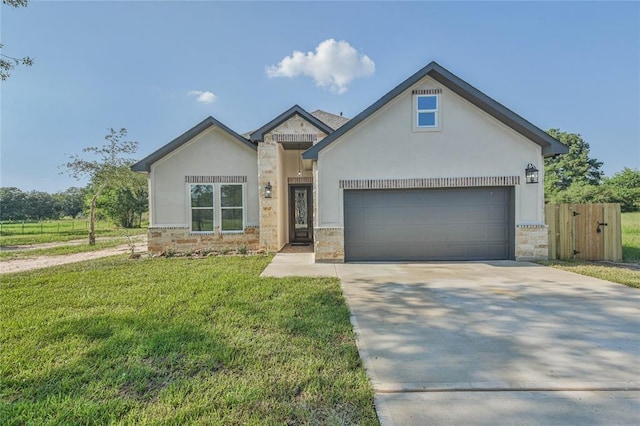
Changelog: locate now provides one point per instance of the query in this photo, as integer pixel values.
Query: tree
(125, 206)
(110, 170)
(7, 63)
(574, 167)
(624, 188)
(71, 201)
(40, 205)
(12, 203)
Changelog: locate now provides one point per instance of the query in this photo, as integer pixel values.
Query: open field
(174, 341)
(631, 237)
(19, 233)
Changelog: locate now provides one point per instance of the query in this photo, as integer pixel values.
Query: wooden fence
(584, 231)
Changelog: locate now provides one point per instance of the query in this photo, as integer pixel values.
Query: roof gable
(144, 165)
(550, 146)
(258, 135)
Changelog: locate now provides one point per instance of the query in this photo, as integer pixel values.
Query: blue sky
(159, 68)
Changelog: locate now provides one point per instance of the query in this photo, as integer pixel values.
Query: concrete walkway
(491, 343)
(298, 264)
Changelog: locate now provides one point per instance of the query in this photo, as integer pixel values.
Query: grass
(56, 231)
(63, 249)
(175, 341)
(630, 254)
(631, 237)
(614, 274)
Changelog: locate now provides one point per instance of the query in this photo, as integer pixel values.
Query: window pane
(427, 102)
(232, 219)
(202, 220)
(231, 195)
(201, 195)
(426, 119)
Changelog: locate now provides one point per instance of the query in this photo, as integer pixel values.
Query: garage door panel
(451, 224)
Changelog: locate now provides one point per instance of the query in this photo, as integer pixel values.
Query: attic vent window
(300, 137)
(426, 92)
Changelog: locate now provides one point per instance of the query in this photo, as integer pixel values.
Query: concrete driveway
(495, 343)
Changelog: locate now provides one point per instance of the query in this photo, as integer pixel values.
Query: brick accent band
(151, 228)
(426, 91)
(531, 226)
(457, 182)
(290, 137)
(215, 179)
(301, 180)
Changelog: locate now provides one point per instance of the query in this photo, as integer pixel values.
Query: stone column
(268, 173)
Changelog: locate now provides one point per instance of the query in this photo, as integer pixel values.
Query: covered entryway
(429, 224)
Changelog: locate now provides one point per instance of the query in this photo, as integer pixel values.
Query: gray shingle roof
(331, 120)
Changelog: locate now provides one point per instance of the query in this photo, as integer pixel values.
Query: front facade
(434, 170)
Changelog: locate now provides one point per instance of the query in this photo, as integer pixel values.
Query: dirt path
(30, 263)
(23, 247)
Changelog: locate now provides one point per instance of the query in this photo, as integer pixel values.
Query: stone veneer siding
(328, 245)
(181, 239)
(268, 173)
(532, 242)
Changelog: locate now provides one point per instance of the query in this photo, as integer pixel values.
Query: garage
(429, 224)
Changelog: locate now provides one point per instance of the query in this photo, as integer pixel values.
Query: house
(434, 170)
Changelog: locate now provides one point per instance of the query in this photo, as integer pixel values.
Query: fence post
(23, 226)
(41, 228)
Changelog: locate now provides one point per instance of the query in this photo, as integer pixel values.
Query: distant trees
(71, 201)
(576, 177)
(37, 205)
(575, 167)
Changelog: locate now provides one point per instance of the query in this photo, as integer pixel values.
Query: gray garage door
(432, 224)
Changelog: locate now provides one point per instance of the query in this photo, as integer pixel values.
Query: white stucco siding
(211, 153)
(471, 143)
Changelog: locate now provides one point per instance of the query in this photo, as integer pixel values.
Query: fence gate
(584, 231)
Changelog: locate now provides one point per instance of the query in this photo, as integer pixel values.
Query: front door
(301, 214)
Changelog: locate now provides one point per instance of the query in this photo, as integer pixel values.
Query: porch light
(267, 190)
(531, 174)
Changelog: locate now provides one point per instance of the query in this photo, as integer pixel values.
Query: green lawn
(631, 237)
(57, 230)
(175, 341)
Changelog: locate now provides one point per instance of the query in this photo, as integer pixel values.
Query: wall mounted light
(267, 190)
(531, 174)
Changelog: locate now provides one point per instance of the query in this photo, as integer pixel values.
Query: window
(231, 207)
(427, 111)
(201, 208)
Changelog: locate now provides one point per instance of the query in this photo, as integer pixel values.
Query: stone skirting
(181, 239)
(532, 242)
(329, 245)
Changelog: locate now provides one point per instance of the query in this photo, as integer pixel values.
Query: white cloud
(334, 64)
(204, 97)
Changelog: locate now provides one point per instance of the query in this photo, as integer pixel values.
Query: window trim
(437, 113)
(242, 208)
(212, 208)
